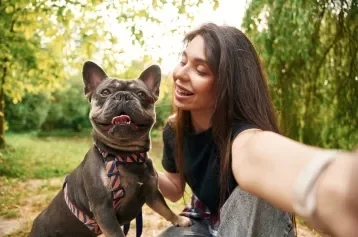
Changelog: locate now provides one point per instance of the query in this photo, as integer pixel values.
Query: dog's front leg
(99, 196)
(107, 220)
(155, 200)
(157, 203)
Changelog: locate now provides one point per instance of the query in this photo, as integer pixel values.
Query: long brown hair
(241, 93)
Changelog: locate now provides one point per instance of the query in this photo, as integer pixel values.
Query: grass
(29, 156)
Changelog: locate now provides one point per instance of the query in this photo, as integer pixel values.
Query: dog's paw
(182, 221)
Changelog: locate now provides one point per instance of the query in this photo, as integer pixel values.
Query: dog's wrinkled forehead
(122, 85)
(96, 83)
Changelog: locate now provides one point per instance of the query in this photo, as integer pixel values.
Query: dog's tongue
(121, 119)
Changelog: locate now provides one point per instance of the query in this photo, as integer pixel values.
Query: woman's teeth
(183, 92)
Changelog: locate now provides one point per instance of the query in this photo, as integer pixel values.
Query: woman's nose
(181, 73)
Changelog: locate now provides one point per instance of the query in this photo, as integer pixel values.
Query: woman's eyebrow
(196, 59)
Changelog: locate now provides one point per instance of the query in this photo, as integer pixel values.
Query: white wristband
(304, 190)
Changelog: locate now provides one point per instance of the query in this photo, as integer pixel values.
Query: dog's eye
(105, 92)
(142, 95)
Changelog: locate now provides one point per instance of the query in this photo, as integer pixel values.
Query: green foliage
(31, 46)
(310, 49)
(163, 109)
(29, 114)
(69, 108)
(34, 49)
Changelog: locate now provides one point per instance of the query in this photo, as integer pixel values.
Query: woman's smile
(181, 93)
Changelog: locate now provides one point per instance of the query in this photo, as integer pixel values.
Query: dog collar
(124, 158)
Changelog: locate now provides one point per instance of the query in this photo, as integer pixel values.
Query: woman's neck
(201, 120)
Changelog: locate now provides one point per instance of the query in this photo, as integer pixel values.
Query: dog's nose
(123, 95)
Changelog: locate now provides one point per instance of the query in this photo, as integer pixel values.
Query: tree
(42, 41)
(33, 38)
(310, 49)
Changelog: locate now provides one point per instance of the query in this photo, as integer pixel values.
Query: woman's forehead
(196, 48)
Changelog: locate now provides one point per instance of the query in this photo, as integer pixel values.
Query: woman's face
(194, 81)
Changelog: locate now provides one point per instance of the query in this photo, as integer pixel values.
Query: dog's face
(122, 111)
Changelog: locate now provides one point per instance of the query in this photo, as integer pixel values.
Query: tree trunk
(2, 118)
(2, 109)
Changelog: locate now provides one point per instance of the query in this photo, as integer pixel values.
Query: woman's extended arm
(267, 164)
(170, 185)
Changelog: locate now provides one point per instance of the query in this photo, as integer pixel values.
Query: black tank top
(201, 163)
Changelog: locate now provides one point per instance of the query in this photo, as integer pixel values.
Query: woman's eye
(141, 94)
(201, 73)
(182, 63)
(105, 92)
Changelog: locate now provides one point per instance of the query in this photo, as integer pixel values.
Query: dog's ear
(151, 78)
(92, 75)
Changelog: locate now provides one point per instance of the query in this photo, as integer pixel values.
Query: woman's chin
(181, 105)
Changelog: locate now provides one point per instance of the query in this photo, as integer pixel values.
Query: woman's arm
(170, 185)
(267, 164)
(265, 161)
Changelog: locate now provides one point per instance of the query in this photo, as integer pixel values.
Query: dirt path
(40, 193)
(10, 226)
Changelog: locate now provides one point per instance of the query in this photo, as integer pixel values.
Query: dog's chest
(136, 182)
(129, 182)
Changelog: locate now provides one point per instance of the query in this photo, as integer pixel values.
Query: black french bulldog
(116, 178)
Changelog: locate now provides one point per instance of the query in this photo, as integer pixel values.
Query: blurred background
(309, 49)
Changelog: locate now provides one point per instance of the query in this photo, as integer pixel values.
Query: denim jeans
(242, 215)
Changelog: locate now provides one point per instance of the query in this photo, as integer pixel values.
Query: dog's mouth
(123, 120)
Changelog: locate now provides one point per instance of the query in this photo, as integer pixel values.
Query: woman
(224, 142)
